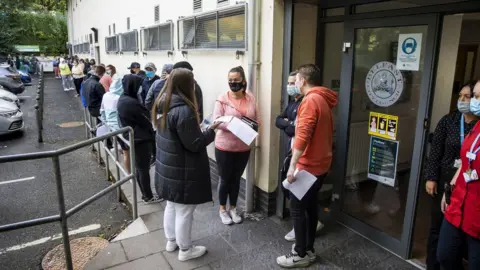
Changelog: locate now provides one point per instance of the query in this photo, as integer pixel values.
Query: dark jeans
(305, 217)
(436, 219)
(230, 169)
(143, 153)
(78, 83)
(450, 249)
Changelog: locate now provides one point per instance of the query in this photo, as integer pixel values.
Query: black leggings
(78, 83)
(143, 153)
(230, 169)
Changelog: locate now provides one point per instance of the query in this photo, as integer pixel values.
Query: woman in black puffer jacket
(182, 169)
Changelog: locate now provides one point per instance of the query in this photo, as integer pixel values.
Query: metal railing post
(63, 214)
(106, 161)
(117, 175)
(134, 174)
(87, 128)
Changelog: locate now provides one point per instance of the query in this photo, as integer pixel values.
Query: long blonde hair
(181, 83)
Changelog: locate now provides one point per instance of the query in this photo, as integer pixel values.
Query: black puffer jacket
(182, 171)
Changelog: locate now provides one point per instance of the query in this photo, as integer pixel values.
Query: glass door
(386, 78)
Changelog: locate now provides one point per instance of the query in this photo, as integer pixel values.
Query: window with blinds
(111, 44)
(221, 29)
(197, 5)
(81, 48)
(129, 41)
(156, 14)
(158, 38)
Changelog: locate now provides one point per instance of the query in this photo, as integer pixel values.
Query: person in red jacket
(312, 152)
(461, 224)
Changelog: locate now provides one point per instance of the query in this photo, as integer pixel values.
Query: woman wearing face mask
(150, 78)
(443, 162)
(230, 152)
(77, 73)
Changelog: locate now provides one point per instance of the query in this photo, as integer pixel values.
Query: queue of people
(166, 114)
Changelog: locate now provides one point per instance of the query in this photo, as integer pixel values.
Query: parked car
(25, 78)
(11, 118)
(9, 97)
(11, 80)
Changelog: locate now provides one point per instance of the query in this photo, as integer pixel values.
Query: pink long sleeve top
(226, 105)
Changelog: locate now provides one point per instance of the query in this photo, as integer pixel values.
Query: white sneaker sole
(289, 239)
(298, 265)
(191, 257)
(227, 223)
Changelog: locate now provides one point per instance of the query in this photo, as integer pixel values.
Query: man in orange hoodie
(312, 152)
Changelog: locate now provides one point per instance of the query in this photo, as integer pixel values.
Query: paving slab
(144, 245)
(110, 256)
(136, 228)
(217, 249)
(151, 262)
(153, 221)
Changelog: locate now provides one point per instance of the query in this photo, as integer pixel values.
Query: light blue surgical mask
(150, 74)
(463, 106)
(475, 106)
(291, 90)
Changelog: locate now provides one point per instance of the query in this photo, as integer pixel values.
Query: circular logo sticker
(384, 84)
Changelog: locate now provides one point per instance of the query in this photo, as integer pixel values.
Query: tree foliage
(33, 22)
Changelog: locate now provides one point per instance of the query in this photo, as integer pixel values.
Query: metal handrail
(64, 214)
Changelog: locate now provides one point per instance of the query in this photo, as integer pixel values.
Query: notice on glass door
(382, 161)
(409, 51)
(383, 125)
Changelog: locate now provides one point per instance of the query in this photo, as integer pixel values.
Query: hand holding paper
(304, 181)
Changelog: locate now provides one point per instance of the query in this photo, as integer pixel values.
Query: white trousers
(177, 223)
(67, 82)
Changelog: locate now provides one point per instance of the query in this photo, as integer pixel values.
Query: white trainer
(171, 246)
(311, 256)
(192, 253)
(292, 260)
(226, 219)
(234, 215)
(290, 236)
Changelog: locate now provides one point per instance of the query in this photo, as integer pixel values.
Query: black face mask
(235, 86)
(132, 71)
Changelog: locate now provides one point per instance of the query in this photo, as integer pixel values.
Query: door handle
(346, 46)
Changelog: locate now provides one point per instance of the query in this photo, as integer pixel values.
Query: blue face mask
(463, 106)
(150, 74)
(291, 90)
(475, 106)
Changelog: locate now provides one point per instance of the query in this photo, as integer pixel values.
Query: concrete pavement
(250, 245)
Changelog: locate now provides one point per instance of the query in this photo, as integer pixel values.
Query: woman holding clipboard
(231, 153)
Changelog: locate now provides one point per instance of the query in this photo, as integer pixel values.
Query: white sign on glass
(409, 51)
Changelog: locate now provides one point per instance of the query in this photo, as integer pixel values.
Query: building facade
(397, 66)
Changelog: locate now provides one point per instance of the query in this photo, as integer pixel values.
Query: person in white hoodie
(109, 112)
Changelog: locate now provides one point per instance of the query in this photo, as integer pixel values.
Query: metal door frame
(400, 247)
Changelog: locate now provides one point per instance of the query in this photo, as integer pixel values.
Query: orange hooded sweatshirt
(314, 130)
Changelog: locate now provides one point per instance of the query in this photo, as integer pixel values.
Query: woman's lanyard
(472, 155)
(462, 130)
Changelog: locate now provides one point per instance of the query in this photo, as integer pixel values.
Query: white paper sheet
(243, 131)
(304, 181)
(102, 130)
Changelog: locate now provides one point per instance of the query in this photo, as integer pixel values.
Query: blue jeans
(450, 248)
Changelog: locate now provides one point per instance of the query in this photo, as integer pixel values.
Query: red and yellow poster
(383, 125)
